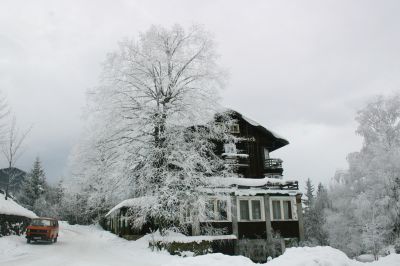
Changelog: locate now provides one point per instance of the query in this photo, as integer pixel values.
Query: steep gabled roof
(278, 141)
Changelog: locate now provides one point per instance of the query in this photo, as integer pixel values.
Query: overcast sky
(301, 68)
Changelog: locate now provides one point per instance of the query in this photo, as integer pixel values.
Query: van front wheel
(28, 241)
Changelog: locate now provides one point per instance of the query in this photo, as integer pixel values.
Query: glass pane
(266, 153)
(276, 210)
(244, 210)
(256, 209)
(230, 148)
(222, 210)
(210, 210)
(287, 210)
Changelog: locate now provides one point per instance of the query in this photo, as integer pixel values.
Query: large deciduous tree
(12, 149)
(365, 196)
(152, 122)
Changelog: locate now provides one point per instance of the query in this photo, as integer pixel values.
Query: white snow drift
(10, 207)
(90, 245)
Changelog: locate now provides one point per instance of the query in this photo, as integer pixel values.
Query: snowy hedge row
(13, 224)
(195, 247)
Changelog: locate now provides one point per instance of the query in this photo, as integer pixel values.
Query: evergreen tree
(314, 215)
(34, 186)
(309, 201)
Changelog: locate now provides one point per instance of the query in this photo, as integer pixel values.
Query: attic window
(234, 128)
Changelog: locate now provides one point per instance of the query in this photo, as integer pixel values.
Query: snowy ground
(90, 245)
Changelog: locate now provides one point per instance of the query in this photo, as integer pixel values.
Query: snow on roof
(254, 123)
(249, 182)
(140, 201)
(240, 155)
(10, 207)
(251, 191)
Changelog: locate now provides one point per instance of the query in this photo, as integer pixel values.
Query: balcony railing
(273, 166)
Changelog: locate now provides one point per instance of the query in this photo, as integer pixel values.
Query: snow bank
(90, 245)
(326, 256)
(214, 260)
(10, 207)
(306, 256)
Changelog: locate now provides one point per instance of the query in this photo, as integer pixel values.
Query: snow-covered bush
(397, 246)
(12, 225)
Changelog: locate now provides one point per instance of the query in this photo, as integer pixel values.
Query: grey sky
(301, 68)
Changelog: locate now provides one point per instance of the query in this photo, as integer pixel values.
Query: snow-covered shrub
(194, 248)
(12, 225)
(397, 246)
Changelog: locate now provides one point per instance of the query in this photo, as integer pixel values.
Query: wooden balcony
(273, 166)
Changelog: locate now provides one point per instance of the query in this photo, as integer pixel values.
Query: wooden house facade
(257, 206)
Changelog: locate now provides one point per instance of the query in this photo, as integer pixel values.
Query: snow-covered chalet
(258, 209)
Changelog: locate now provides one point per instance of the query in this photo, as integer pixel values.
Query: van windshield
(41, 222)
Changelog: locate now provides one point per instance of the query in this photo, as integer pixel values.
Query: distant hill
(18, 176)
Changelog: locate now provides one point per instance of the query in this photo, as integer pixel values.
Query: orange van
(42, 229)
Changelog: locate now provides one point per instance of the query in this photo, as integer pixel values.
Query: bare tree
(12, 150)
(4, 113)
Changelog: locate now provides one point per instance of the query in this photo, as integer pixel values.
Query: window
(244, 210)
(186, 215)
(283, 208)
(266, 154)
(230, 148)
(251, 209)
(276, 210)
(218, 209)
(255, 210)
(287, 210)
(234, 128)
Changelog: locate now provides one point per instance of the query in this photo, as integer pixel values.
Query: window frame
(186, 219)
(230, 148)
(281, 200)
(234, 128)
(249, 199)
(215, 200)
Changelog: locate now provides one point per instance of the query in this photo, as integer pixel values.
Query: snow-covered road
(90, 245)
(80, 245)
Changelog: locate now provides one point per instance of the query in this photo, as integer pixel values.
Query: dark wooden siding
(286, 228)
(255, 139)
(252, 230)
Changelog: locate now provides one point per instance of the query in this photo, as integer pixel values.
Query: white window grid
(215, 199)
(282, 199)
(234, 128)
(249, 200)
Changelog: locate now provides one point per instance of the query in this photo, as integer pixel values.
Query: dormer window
(230, 148)
(234, 128)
